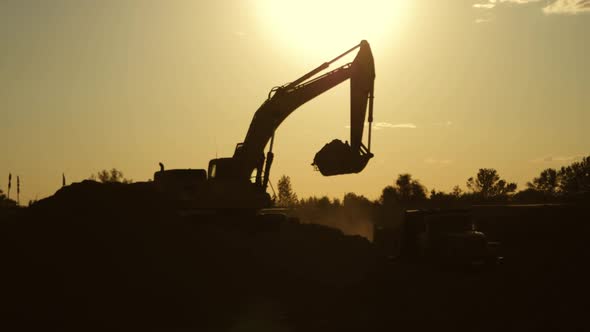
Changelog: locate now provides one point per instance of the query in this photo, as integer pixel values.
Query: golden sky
(461, 85)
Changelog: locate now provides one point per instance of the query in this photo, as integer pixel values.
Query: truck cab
(446, 236)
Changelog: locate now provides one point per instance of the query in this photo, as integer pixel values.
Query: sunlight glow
(322, 26)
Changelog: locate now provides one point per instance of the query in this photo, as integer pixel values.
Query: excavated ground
(114, 257)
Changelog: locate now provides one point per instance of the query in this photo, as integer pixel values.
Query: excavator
(241, 181)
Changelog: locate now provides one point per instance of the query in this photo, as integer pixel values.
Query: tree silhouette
(286, 197)
(488, 184)
(457, 192)
(389, 196)
(114, 175)
(441, 199)
(575, 178)
(547, 182)
(324, 202)
(391, 209)
(336, 202)
(354, 201)
(406, 191)
(409, 189)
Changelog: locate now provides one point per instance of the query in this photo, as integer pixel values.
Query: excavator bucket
(337, 158)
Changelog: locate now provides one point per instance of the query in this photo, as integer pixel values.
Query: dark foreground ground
(110, 264)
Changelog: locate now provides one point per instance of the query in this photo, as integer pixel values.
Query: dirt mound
(106, 254)
(90, 194)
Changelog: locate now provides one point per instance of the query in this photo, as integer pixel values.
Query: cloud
(557, 159)
(492, 3)
(441, 162)
(383, 125)
(520, 2)
(408, 125)
(447, 123)
(389, 125)
(484, 5)
(570, 7)
(482, 20)
(487, 17)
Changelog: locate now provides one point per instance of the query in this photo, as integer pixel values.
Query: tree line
(567, 183)
(354, 212)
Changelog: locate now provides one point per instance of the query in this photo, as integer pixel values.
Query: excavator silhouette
(230, 182)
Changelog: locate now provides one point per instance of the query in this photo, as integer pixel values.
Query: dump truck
(442, 236)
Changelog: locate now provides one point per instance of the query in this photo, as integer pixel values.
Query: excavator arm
(283, 100)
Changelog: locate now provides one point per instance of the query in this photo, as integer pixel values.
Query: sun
(324, 26)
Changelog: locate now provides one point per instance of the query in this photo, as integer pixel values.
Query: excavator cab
(223, 169)
(232, 169)
(228, 188)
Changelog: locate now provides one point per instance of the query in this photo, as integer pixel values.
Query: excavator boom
(283, 100)
(228, 182)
